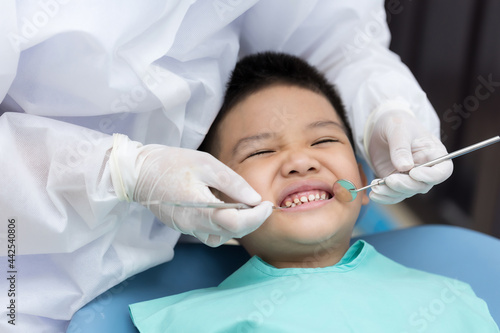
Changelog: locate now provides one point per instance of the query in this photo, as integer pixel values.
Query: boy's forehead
(264, 104)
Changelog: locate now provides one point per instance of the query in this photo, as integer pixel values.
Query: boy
(282, 127)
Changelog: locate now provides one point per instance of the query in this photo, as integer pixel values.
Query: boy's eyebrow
(251, 139)
(326, 123)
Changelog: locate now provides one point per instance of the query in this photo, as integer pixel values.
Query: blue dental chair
(450, 251)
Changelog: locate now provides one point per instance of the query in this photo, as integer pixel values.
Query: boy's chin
(303, 232)
(328, 237)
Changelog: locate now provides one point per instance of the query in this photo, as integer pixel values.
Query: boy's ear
(364, 181)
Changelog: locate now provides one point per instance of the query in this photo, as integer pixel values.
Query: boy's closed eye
(259, 152)
(325, 141)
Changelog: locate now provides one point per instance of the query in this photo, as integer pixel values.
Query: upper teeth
(297, 199)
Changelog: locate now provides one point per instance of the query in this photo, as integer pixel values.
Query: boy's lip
(302, 186)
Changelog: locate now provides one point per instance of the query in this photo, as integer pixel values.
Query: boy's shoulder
(401, 279)
(378, 267)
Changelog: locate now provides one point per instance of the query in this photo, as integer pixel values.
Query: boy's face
(288, 143)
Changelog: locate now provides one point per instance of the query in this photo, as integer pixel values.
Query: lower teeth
(294, 204)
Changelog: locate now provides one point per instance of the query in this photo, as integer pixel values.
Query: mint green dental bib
(364, 292)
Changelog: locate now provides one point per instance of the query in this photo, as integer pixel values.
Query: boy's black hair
(258, 71)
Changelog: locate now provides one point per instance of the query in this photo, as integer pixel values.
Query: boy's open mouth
(303, 197)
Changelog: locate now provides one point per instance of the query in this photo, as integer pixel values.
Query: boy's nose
(299, 163)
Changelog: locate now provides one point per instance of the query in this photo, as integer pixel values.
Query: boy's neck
(320, 256)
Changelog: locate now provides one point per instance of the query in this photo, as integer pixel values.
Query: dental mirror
(345, 191)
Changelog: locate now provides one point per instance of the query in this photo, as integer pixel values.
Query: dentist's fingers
(400, 148)
(241, 222)
(211, 239)
(397, 188)
(433, 175)
(219, 176)
(428, 149)
(226, 224)
(405, 185)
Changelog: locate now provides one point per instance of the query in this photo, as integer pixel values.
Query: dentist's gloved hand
(397, 143)
(156, 172)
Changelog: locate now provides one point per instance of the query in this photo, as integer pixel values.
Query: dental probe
(346, 191)
(190, 204)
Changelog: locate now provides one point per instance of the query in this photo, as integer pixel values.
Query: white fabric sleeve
(9, 55)
(57, 172)
(74, 238)
(348, 41)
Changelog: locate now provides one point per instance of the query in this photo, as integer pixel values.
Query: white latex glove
(396, 143)
(156, 172)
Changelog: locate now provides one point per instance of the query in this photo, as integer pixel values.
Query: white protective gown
(74, 72)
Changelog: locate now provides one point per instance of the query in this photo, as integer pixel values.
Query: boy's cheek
(366, 199)
(258, 180)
